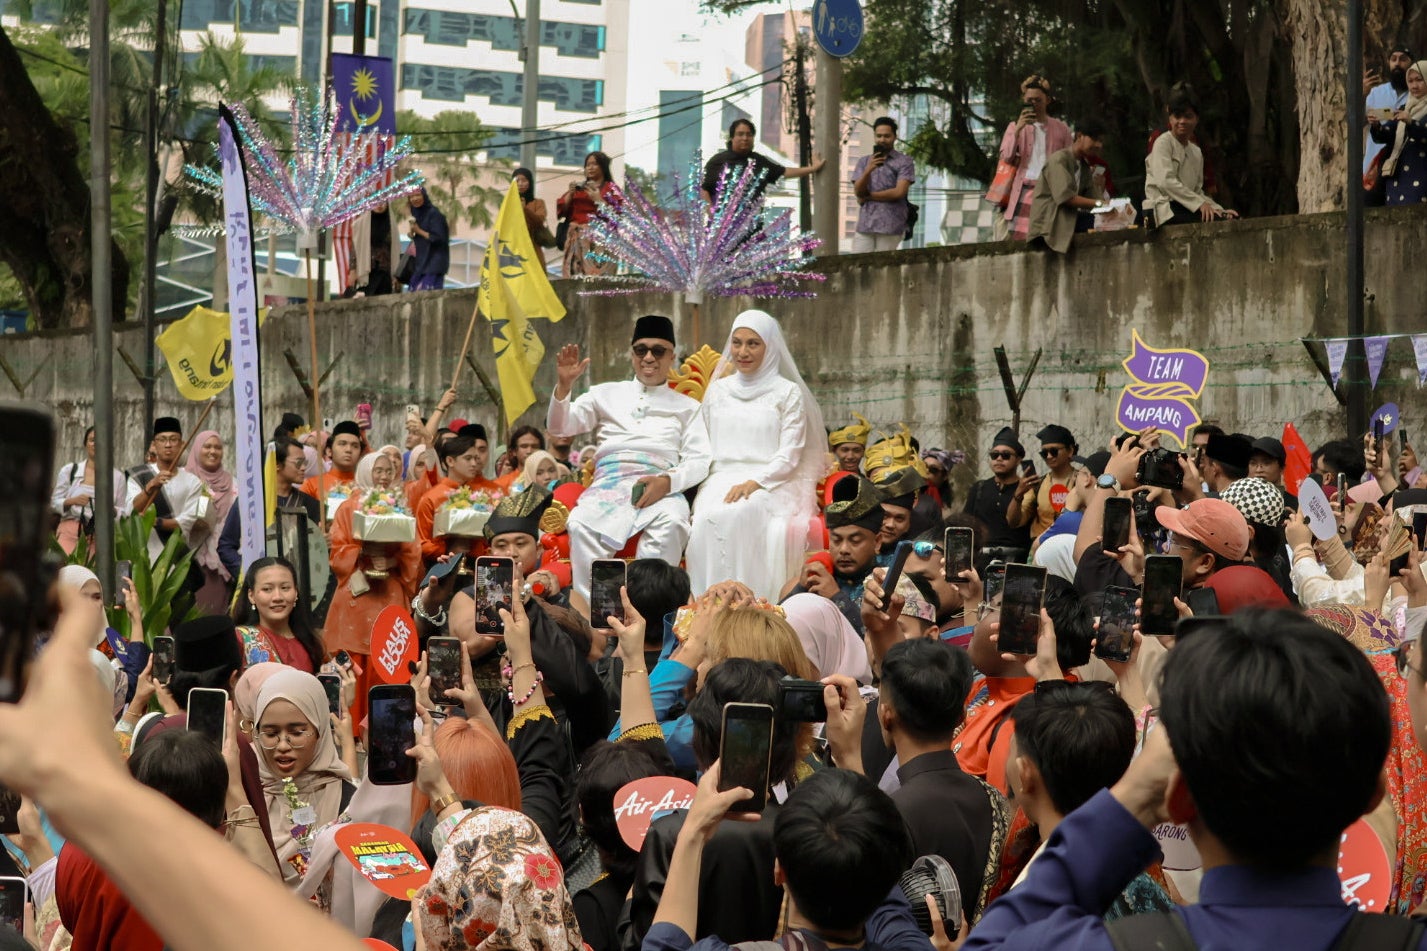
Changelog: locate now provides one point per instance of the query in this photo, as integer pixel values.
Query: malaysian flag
(366, 90)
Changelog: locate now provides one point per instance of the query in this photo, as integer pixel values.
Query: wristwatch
(1107, 481)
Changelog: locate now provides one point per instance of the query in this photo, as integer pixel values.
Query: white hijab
(777, 362)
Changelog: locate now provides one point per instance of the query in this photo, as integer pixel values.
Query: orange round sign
(1058, 495)
(385, 857)
(1364, 868)
(394, 646)
(641, 802)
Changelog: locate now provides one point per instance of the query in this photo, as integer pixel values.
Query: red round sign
(394, 646)
(1364, 868)
(377, 943)
(639, 803)
(1058, 493)
(385, 857)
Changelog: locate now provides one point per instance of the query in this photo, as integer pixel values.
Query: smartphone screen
(607, 577)
(1204, 602)
(9, 811)
(894, 571)
(332, 687)
(995, 581)
(495, 577)
(444, 660)
(163, 658)
(1163, 582)
(959, 551)
(26, 457)
(208, 712)
(1116, 528)
(1419, 528)
(1117, 622)
(745, 752)
(392, 732)
(14, 893)
(1021, 601)
(801, 701)
(1343, 490)
(1028, 468)
(123, 571)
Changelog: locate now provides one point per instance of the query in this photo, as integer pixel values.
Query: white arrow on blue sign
(837, 24)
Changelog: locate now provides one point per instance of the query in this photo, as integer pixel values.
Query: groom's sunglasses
(641, 351)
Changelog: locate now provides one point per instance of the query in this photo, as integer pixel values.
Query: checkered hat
(1258, 500)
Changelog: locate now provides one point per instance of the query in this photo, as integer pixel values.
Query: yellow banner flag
(514, 288)
(198, 351)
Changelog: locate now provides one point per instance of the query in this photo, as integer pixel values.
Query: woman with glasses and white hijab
(754, 512)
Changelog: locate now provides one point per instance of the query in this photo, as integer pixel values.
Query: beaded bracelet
(510, 692)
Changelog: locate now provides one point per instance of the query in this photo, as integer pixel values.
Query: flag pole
(307, 241)
(465, 347)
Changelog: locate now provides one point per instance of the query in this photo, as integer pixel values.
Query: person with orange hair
(477, 763)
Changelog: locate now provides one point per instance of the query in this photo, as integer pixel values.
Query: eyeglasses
(641, 351)
(925, 549)
(270, 738)
(1402, 655)
(1051, 453)
(1001, 455)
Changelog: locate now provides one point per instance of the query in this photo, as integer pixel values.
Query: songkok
(854, 433)
(856, 501)
(1007, 437)
(347, 428)
(519, 513)
(167, 424)
(1097, 461)
(207, 642)
(1258, 501)
(1056, 434)
(891, 453)
(473, 431)
(653, 327)
(899, 487)
(1231, 450)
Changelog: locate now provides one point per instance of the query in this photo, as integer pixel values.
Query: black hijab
(525, 196)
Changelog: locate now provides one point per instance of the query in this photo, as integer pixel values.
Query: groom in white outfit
(653, 446)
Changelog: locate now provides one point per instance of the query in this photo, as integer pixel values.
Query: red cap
(1213, 523)
(457, 424)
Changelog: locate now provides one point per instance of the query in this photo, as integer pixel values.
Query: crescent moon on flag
(366, 121)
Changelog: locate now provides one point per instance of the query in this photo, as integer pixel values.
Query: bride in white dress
(754, 514)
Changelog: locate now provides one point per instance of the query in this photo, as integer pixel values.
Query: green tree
(446, 145)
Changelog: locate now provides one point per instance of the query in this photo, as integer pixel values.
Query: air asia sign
(1162, 384)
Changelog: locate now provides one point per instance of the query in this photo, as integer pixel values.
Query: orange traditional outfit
(433, 546)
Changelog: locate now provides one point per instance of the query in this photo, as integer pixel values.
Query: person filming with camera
(880, 182)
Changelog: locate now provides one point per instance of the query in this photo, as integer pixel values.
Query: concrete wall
(904, 336)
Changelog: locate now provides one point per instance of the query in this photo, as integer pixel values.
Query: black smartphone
(607, 577)
(1117, 622)
(1164, 576)
(123, 571)
(1115, 530)
(1204, 602)
(164, 655)
(801, 701)
(1342, 490)
(9, 811)
(1160, 467)
(1379, 432)
(994, 582)
(391, 731)
(14, 895)
(332, 687)
(894, 571)
(1021, 601)
(1401, 438)
(1419, 528)
(745, 752)
(208, 712)
(445, 656)
(1028, 468)
(495, 579)
(26, 458)
(958, 547)
(342, 659)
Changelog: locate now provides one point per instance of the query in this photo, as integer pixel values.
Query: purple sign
(1162, 383)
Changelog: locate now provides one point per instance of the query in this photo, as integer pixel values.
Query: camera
(1160, 467)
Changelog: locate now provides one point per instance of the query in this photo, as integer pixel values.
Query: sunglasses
(1002, 455)
(1402, 655)
(925, 549)
(1051, 453)
(641, 351)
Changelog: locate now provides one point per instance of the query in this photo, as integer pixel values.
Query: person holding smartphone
(578, 206)
(881, 182)
(1039, 499)
(990, 501)
(1032, 137)
(73, 499)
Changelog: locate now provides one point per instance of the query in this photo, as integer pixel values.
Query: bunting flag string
(1375, 346)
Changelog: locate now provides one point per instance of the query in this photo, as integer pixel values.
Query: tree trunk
(1317, 32)
(45, 240)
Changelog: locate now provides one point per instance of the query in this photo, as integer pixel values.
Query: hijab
(497, 887)
(76, 577)
(532, 464)
(1057, 556)
(525, 196)
(1416, 112)
(320, 785)
(427, 214)
(220, 487)
(827, 637)
(245, 692)
(777, 362)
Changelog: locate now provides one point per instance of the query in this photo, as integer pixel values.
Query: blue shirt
(1381, 97)
(890, 927)
(1100, 847)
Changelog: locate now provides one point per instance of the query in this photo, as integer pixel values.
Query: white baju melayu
(184, 494)
(642, 430)
(764, 426)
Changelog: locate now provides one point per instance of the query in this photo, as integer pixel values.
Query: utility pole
(530, 93)
(1356, 363)
(827, 213)
(151, 198)
(101, 296)
(359, 28)
(805, 130)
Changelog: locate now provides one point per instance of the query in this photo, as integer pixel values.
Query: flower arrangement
(465, 513)
(381, 516)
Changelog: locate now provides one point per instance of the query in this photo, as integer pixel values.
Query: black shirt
(988, 501)
(948, 813)
(713, 171)
(1094, 572)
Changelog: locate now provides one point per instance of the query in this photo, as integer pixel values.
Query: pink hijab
(220, 487)
(828, 639)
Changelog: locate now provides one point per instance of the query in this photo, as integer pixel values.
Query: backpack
(1165, 931)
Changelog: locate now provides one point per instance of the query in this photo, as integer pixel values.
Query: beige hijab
(1416, 112)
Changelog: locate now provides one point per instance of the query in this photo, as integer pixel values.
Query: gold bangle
(438, 806)
(641, 670)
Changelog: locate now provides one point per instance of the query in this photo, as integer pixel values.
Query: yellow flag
(514, 288)
(198, 350)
